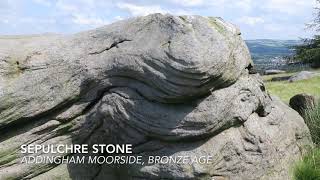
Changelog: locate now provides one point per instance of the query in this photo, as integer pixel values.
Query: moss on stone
(213, 23)
(7, 156)
(64, 128)
(14, 69)
(7, 159)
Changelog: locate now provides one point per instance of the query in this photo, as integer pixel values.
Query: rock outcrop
(169, 85)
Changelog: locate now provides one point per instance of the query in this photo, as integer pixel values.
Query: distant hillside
(270, 48)
(268, 53)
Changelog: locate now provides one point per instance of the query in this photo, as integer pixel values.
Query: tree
(309, 50)
(316, 22)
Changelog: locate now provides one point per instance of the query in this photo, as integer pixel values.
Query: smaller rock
(303, 75)
(273, 71)
(281, 78)
(302, 102)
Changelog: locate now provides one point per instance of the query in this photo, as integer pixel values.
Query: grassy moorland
(308, 167)
(285, 90)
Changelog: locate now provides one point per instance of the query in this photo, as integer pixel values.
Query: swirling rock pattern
(169, 85)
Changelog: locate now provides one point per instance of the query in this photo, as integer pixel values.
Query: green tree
(309, 50)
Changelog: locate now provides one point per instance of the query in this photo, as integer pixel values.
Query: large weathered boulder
(169, 85)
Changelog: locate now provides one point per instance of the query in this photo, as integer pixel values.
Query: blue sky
(257, 19)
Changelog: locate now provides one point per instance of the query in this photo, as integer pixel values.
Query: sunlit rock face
(169, 85)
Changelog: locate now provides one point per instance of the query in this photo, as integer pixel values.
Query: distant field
(285, 90)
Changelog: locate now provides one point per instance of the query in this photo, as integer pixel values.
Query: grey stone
(169, 85)
(302, 102)
(273, 71)
(281, 78)
(303, 75)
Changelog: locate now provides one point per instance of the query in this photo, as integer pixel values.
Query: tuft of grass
(312, 119)
(308, 168)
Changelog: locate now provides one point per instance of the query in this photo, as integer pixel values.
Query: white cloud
(118, 18)
(244, 5)
(289, 6)
(5, 21)
(91, 21)
(189, 2)
(251, 21)
(4, 6)
(27, 20)
(32, 20)
(136, 10)
(241, 5)
(66, 6)
(258, 17)
(274, 27)
(81, 12)
(8, 11)
(43, 2)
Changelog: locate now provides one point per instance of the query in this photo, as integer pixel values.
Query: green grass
(312, 119)
(308, 168)
(285, 90)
